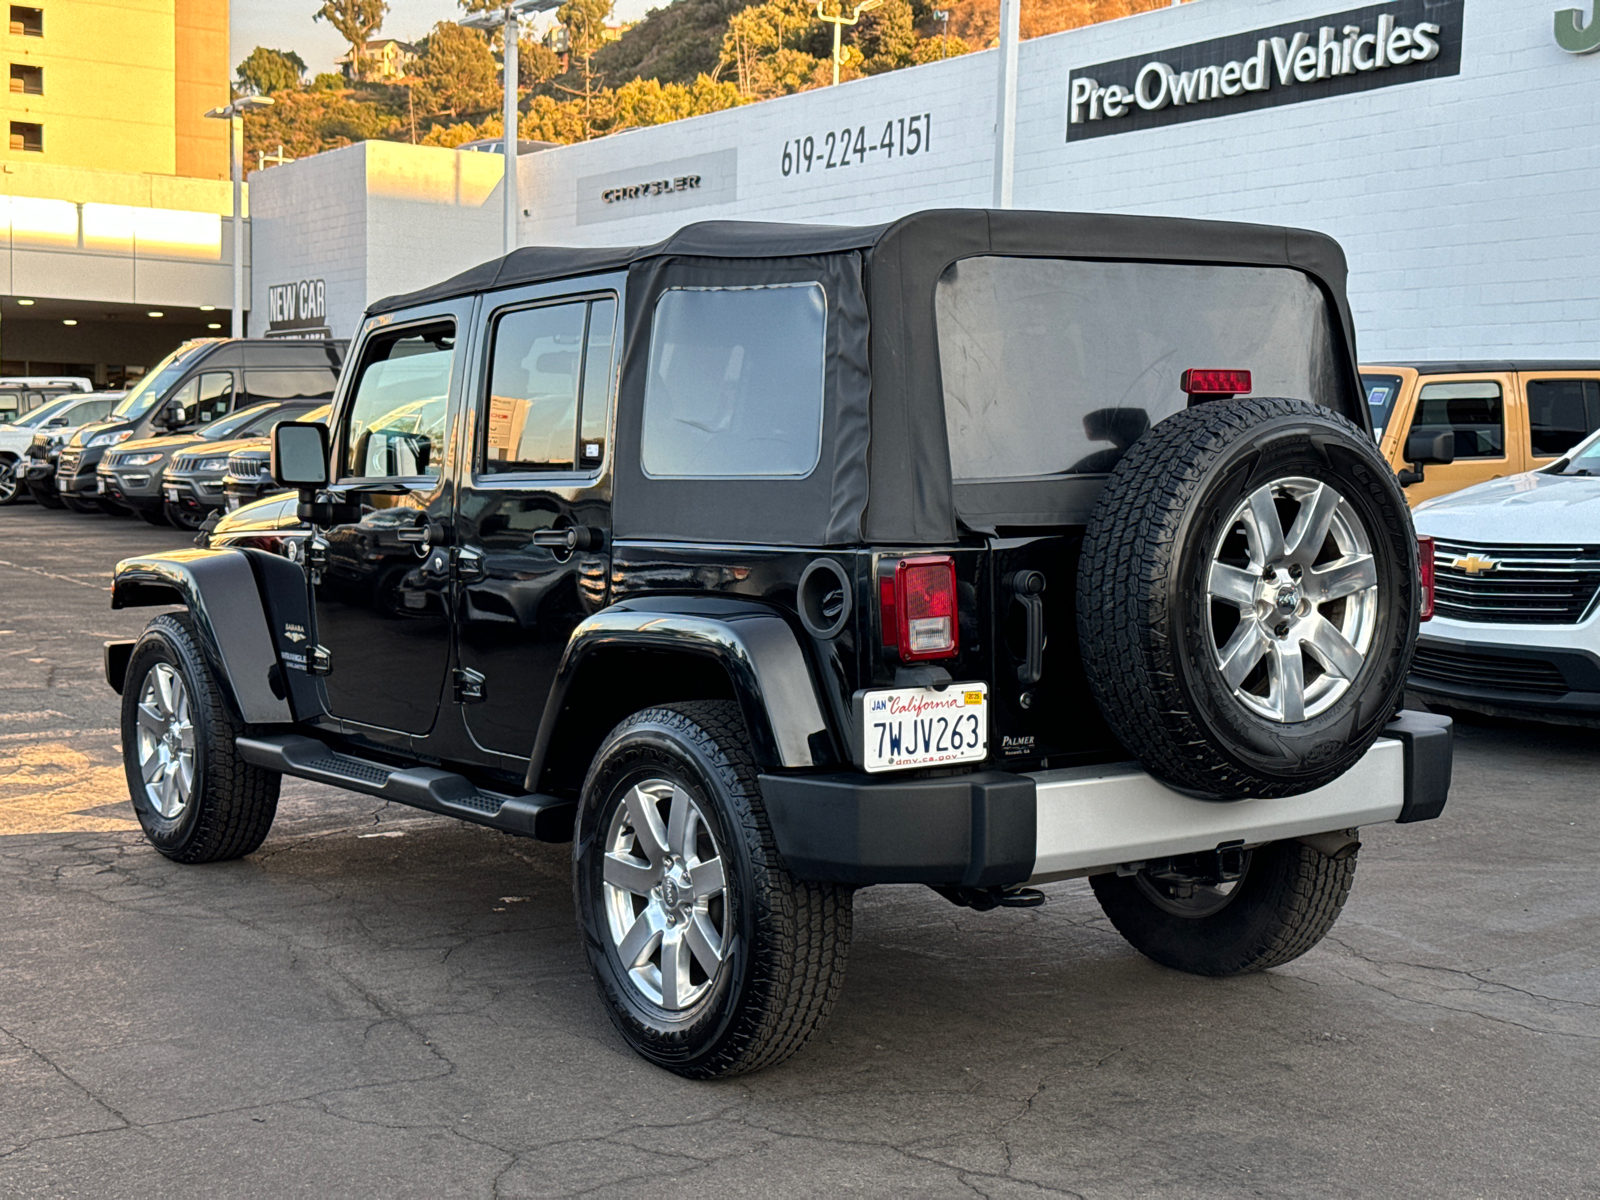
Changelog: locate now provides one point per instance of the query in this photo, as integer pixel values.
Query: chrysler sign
(1305, 60)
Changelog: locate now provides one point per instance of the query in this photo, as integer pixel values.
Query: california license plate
(922, 727)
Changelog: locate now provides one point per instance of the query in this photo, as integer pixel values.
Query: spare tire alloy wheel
(711, 958)
(1247, 598)
(1294, 598)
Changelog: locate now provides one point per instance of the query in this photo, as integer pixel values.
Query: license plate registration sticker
(921, 727)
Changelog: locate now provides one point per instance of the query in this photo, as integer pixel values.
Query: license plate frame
(953, 725)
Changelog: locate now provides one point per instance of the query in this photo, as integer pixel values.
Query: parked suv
(977, 550)
(201, 381)
(61, 414)
(141, 475)
(34, 469)
(1476, 421)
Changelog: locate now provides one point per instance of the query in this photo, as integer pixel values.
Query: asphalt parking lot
(383, 1003)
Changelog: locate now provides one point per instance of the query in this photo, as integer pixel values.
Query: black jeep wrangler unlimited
(974, 550)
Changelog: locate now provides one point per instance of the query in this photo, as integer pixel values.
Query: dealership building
(1452, 146)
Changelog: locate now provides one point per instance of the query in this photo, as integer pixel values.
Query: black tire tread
(237, 800)
(1303, 898)
(1130, 550)
(798, 977)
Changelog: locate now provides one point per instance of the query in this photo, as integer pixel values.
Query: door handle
(1026, 587)
(569, 538)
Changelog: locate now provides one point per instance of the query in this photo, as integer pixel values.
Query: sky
(274, 23)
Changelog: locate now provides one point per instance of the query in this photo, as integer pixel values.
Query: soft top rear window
(1055, 366)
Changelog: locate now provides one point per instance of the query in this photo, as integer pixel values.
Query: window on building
(735, 382)
(1472, 410)
(26, 135)
(27, 80)
(28, 22)
(1561, 413)
(549, 364)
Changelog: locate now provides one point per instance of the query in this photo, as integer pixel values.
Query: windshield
(1584, 458)
(40, 415)
(221, 430)
(1381, 392)
(144, 394)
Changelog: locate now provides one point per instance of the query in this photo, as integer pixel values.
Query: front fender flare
(219, 589)
(755, 646)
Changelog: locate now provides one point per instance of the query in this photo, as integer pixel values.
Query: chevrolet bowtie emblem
(1474, 565)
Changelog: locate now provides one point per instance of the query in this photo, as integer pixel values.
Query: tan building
(382, 60)
(113, 184)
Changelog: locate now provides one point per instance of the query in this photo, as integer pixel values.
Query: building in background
(382, 60)
(114, 186)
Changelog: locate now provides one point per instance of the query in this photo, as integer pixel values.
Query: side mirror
(57, 422)
(300, 455)
(1424, 448)
(177, 415)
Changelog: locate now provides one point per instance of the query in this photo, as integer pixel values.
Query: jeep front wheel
(712, 959)
(195, 798)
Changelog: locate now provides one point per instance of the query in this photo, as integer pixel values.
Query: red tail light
(1425, 571)
(1217, 384)
(919, 608)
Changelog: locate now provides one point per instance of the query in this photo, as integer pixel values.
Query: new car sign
(1305, 60)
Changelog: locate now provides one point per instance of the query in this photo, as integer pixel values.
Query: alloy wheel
(1293, 589)
(666, 898)
(166, 741)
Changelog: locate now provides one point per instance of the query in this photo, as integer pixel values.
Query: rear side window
(1381, 392)
(1054, 366)
(1561, 413)
(1473, 410)
(735, 384)
(549, 387)
(398, 417)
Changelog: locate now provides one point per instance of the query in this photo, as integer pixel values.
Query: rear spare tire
(1248, 598)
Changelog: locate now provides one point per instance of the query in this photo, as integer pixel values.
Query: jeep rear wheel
(1280, 902)
(1247, 598)
(712, 959)
(195, 798)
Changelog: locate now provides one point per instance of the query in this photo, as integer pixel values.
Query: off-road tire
(233, 802)
(1290, 896)
(112, 509)
(153, 516)
(11, 488)
(789, 938)
(1142, 594)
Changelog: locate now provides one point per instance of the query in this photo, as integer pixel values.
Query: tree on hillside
(536, 62)
(266, 71)
(674, 43)
(775, 48)
(887, 37)
(585, 23)
(355, 21)
(457, 74)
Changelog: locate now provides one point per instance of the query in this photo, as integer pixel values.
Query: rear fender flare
(751, 643)
(220, 591)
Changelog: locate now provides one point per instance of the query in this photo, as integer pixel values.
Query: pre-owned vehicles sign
(1304, 60)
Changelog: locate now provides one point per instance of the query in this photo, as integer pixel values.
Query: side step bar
(545, 818)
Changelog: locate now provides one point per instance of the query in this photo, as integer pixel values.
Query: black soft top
(885, 472)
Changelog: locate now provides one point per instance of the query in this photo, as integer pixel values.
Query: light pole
(505, 18)
(1005, 115)
(838, 21)
(234, 115)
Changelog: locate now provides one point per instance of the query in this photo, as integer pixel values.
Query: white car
(1516, 625)
(61, 416)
